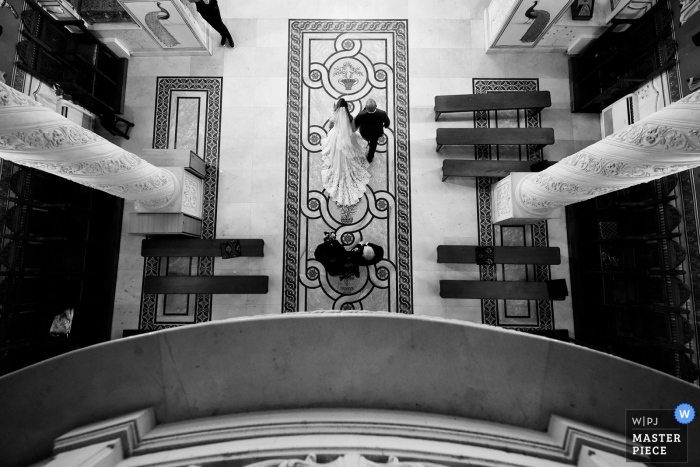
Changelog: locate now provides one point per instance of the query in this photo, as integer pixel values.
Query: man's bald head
(371, 105)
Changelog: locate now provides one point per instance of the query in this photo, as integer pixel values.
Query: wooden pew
(492, 101)
(501, 254)
(197, 247)
(488, 168)
(503, 290)
(470, 136)
(205, 284)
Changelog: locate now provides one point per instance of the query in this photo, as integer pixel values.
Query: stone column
(37, 137)
(661, 144)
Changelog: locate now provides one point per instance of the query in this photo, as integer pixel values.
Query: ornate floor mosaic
(188, 112)
(523, 314)
(355, 60)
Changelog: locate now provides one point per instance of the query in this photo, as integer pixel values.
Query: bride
(344, 165)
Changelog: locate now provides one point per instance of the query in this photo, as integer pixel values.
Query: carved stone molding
(347, 460)
(114, 165)
(47, 138)
(658, 137)
(187, 198)
(10, 97)
(191, 195)
(343, 438)
(35, 136)
(160, 179)
(597, 165)
(503, 199)
(661, 144)
(511, 206)
(154, 203)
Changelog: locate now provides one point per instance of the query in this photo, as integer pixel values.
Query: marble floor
(445, 55)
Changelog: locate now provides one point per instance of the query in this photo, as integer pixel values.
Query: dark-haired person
(209, 9)
(332, 255)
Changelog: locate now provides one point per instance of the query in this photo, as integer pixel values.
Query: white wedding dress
(344, 165)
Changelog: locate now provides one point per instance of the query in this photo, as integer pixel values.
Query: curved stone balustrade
(302, 361)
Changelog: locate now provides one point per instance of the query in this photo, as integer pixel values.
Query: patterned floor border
(213, 87)
(489, 307)
(294, 244)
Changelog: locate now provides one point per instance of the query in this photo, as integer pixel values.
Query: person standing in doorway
(371, 122)
(209, 9)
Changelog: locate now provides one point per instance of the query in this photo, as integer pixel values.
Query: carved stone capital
(186, 197)
(511, 208)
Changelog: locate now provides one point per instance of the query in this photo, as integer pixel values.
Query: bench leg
(444, 177)
(437, 115)
(438, 148)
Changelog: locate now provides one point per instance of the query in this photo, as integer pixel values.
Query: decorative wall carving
(661, 144)
(549, 183)
(47, 137)
(10, 96)
(607, 168)
(159, 180)
(154, 203)
(539, 205)
(191, 194)
(503, 200)
(659, 137)
(114, 165)
(44, 140)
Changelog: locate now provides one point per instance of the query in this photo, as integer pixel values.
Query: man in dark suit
(365, 254)
(371, 121)
(332, 255)
(209, 9)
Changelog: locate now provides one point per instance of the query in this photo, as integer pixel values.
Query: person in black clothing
(365, 254)
(209, 9)
(332, 255)
(371, 121)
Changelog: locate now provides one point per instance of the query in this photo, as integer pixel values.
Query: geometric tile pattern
(166, 89)
(356, 60)
(510, 313)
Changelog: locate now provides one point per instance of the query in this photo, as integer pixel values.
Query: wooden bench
(205, 284)
(488, 168)
(198, 247)
(492, 101)
(500, 254)
(503, 290)
(470, 136)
